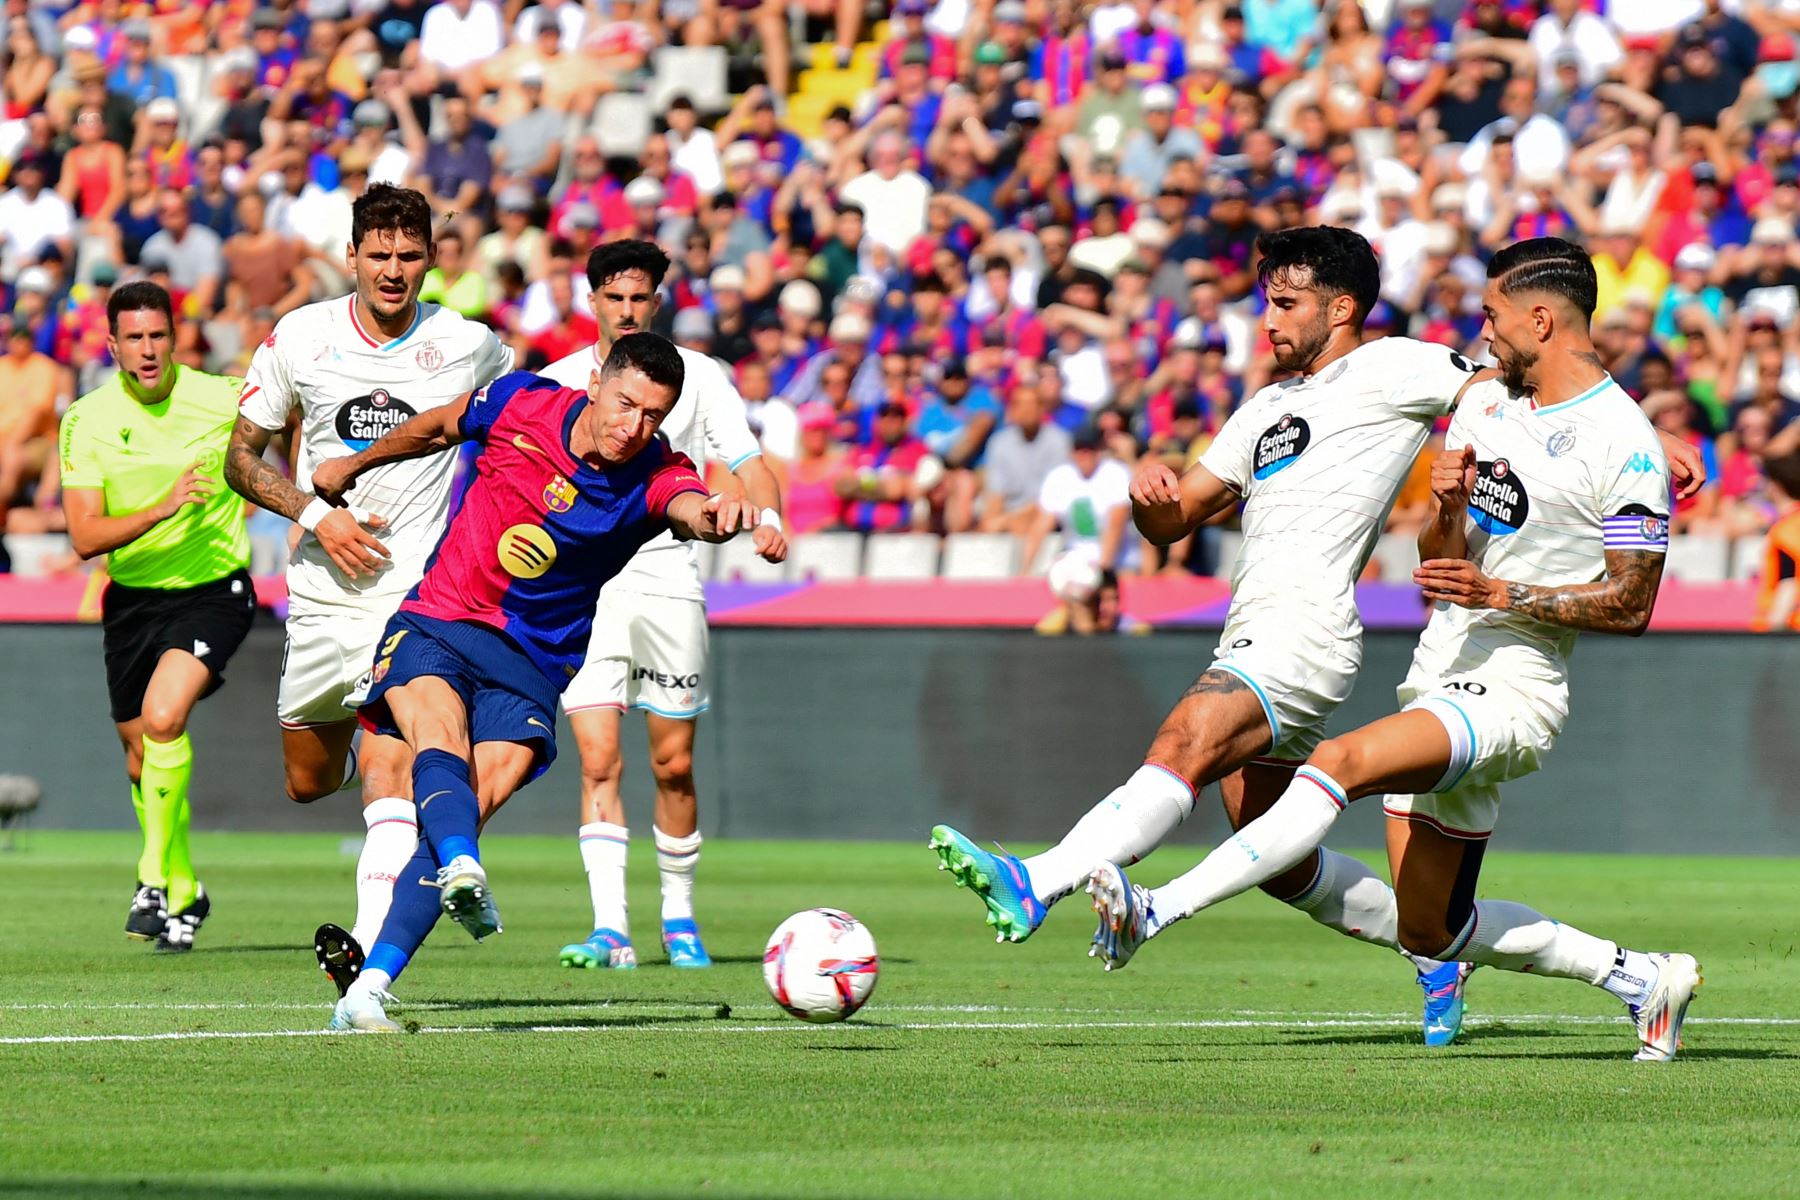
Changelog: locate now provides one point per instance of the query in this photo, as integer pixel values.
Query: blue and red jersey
(540, 530)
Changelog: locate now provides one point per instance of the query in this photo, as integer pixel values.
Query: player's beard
(1305, 348)
(1514, 365)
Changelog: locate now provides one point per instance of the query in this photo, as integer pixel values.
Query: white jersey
(1319, 460)
(708, 422)
(351, 390)
(1555, 488)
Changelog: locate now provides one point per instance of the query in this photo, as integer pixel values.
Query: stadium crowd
(1016, 261)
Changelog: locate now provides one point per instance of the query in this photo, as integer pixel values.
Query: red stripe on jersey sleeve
(675, 476)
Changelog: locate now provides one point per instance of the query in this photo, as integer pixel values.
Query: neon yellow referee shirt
(135, 452)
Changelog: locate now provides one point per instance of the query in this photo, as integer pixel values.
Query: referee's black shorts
(139, 624)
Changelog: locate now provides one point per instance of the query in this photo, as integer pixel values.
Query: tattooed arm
(1619, 603)
(355, 552)
(251, 476)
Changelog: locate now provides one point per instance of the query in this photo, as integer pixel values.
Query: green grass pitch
(1248, 1053)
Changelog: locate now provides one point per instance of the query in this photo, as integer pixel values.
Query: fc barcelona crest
(559, 494)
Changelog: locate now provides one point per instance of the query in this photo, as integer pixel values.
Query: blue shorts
(506, 697)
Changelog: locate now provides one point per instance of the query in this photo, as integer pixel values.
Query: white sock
(392, 840)
(1123, 828)
(1258, 852)
(1515, 937)
(368, 983)
(676, 858)
(603, 848)
(1632, 977)
(1347, 896)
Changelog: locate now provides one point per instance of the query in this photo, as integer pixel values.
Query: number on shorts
(1472, 687)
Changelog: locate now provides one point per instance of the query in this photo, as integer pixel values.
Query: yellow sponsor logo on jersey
(526, 551)
(559, 494)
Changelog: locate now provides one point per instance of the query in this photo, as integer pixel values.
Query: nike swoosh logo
(538, 723)
(427, 800)
(524, 443)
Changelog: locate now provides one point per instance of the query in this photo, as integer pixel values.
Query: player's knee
(164, 720)
(673, 765)
(1192, 757)
(1339, 758)
(601, 765)
(304, 788)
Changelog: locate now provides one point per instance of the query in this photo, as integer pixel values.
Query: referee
(140, 455)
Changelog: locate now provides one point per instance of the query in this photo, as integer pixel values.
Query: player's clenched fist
(1453, 478)
(332, 478)
(1155, 486)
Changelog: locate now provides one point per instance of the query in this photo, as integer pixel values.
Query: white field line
(727, 1026)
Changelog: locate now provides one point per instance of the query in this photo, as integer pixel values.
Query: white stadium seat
(622, 123)
(737, 560)
(1747, 558)
(900, 556)
(697, 72)
(33, 553)
(981, 556)
(1051, 546)
(1698, 559)
(825, 556)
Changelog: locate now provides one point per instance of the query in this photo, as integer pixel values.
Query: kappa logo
(1640, 464)
(429, 357)
(526, 551)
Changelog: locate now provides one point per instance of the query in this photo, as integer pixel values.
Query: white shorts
(1500, 725)
(646, 652)
(325, 666)
(1299, 676)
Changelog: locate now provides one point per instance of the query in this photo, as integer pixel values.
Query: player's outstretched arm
(1619, 603)
(716, 518)
(430, 431)
(1167, 508)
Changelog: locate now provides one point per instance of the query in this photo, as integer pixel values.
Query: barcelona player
(568, 487)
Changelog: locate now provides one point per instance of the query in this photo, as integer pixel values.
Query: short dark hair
(649, 353)
(1784, 473)
(1337, 262)
(1549, 265)
(610, 259)
(383, 207)
(138, 297)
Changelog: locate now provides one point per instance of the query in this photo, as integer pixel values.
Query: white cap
(726, 279)
(1771, 231)
(1449, 197)
(1695, 256)
(862, 289)
(531, 72)
(692, 323)
(740, 154)
(849, 327)
(645, 189)
(1440, 239)
(163, 109)
(800, 297)
(81, 37)
(1148, 231)
(1206, 54)
(1158, 97)
(35, 279)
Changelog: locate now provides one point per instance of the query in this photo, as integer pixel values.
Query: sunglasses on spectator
(890, 410)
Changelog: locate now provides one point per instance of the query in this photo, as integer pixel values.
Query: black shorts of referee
(141, 624)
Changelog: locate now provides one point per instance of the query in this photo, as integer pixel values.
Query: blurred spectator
(809, 492)
(453, 281)
(264, 269)
(33, 219)
(1089, 499)
(528, 149)
(955, 424)
(1099, 613)
(33, 390)
(1776, 599)
(878, 491)
(192, 254)
(1020, 458)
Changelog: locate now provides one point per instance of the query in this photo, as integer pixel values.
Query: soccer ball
(821, 965)
(1075, 576)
